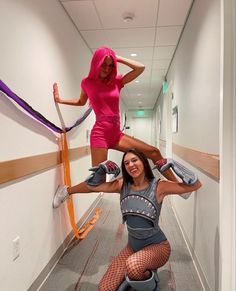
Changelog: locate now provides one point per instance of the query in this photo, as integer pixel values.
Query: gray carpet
(84, 262)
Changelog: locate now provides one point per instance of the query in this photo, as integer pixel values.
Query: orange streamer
(85, 229)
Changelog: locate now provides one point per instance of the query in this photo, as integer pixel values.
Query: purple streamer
(38, 116)
(80, 120)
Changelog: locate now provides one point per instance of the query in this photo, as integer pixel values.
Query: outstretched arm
(137, 69)
(76, 102)
(108, 187)
(165, 187)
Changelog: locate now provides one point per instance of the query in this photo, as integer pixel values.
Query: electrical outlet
(16, 248)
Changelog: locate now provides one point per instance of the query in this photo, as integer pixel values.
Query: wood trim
(207, 163)
(79, 152)
(14, 169)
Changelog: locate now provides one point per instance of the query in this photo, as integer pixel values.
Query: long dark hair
(147, 169)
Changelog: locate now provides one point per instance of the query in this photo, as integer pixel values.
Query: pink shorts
(106, 133)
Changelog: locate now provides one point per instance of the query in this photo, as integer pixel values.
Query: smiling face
(106, 68)
(133, 165)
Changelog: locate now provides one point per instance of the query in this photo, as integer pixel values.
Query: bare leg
(98, 155)
(79, 188)
(127, 142)
(63, 192)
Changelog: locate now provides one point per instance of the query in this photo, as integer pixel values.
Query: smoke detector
(128, 17)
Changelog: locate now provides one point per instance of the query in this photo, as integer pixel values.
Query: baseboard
(60, 251)
(196, 263)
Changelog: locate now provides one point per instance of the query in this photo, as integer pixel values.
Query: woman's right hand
(56, 93)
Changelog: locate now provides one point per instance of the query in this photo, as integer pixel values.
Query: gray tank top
(141, 211)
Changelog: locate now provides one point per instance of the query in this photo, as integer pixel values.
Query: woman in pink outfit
(102, 88)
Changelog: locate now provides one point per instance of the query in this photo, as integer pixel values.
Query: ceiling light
(136, 81)
(128, 17)
(133, 55)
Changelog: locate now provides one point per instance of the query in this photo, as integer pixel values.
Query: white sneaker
(60, 196)
(186, 195)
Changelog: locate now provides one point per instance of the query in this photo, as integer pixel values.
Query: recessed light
(133, 55)
(136, 81)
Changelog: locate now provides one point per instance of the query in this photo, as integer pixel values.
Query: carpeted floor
(84, 262)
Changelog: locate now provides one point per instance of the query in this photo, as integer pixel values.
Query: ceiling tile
(160, 64)
(112, 16)
(155, 86)
(133, 103)
(168, 35)
(100, 22)
(147, 64)
(153, 94)
(95, 38)
(122, 69)
(79, 11)
(173, 12)
(143, 53)
(138, 88)
(158, 75)
(119, 38)
(163, 52)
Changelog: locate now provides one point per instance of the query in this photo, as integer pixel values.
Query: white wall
(195, 76)
(141, 127)
(39, 45)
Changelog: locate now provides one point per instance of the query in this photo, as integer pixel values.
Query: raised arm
(108, 187)
(76, 102)
(165, 187)
(137, 69)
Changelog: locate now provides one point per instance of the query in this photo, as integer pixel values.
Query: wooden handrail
(14, 169)
(205, 162)
(208, 163)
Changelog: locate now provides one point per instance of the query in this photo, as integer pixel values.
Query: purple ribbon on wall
(38, 116)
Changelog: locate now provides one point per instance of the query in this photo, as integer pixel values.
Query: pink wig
(98, 58)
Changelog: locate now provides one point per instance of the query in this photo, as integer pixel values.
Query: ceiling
(152, 34)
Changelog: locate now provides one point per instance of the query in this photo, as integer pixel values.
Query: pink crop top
(103, 97)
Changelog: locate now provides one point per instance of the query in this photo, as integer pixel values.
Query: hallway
(83, 263)
(183, 103)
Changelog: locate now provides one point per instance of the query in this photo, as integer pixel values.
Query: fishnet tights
(135, 264)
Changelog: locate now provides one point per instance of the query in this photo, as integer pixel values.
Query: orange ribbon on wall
(86, 228)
